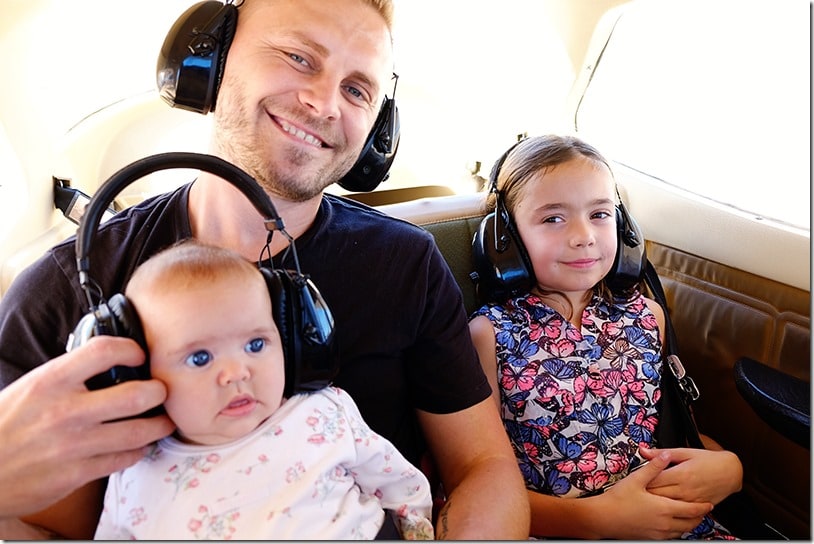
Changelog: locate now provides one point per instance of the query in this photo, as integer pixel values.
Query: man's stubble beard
(237, 141)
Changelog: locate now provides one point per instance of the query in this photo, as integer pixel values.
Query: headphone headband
(496, 167)
(163, 161)
(503, 267)
(305, 322)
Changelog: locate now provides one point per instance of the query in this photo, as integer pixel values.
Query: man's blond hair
(383, 7)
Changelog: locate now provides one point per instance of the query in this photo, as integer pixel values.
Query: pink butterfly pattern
(586, 399)
(578, 402)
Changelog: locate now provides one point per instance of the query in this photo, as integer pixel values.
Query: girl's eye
(255, 345)
(601, 215)
(553, 219)
(199, 358)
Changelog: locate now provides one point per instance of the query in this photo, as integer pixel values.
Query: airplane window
(713, 97)
(473, 75)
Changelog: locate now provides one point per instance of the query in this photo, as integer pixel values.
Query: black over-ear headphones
(303, 318)
(502, 265)
(190, 69)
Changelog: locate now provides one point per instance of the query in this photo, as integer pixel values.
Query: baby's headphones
(303, 318)
(503, 268)
(190, 69)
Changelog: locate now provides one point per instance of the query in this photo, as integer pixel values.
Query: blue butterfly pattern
(594, 396)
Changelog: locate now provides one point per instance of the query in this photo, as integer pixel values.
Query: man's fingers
(121, 436)
(99, 354)
(104, 465)
(127, 399)
(124, 400)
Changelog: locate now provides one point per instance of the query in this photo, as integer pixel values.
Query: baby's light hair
(191, 262)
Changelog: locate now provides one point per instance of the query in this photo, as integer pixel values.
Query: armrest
(780, 399)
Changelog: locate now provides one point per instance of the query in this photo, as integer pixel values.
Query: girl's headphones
(502, 265)
(303, 318)
(190, 69)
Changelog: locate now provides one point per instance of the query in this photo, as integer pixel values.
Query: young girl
(246, 463)
(575, 368)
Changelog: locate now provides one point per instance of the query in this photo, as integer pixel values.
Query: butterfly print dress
(577, 402)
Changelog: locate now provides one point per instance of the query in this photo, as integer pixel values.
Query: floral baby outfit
(313, 470)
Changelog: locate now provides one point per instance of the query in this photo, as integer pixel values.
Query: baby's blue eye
(255, 345)
(199, 358)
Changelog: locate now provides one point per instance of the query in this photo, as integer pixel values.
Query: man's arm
(486, 497)
(74, 517)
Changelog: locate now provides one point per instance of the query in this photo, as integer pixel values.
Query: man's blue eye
(199, 358)
(256, 345)
(298, 59)
(355, 92)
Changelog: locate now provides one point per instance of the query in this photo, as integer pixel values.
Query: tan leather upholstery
(721, 314)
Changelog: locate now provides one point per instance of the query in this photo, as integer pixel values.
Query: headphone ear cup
(125, 320)
(306, 329)
(279, 286)
(192, 59)
(378, 153)
(502, 265)
(631, 257)
(119, 318)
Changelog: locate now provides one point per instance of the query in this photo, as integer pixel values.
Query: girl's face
(218, 350)
(566, 217)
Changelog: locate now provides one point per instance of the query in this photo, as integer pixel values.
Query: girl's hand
(696, 475)
(635, 513)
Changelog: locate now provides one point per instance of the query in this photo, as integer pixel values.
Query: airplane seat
(126, 131)
(92, 151)
(14, 196)
(781, 400)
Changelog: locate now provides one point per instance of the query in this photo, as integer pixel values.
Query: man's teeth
(301, 134)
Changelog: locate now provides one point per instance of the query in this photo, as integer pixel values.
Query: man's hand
(55, 432)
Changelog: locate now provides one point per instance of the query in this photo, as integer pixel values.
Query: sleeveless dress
(576, 403)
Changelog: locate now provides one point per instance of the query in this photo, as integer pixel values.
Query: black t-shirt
(400, 322)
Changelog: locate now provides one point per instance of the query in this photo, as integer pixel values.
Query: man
(301, 89)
